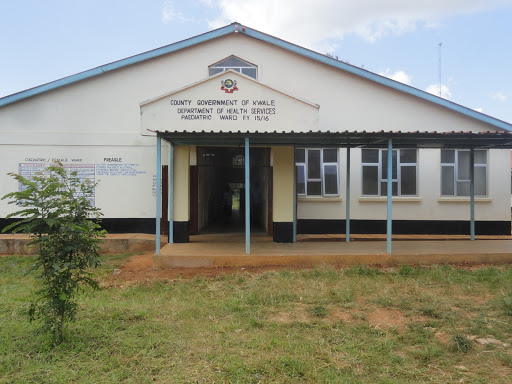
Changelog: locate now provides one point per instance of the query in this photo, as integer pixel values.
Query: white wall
(100, 117)
(428, 205)
(107, 106)
(125, 174)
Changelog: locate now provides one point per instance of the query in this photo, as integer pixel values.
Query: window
(375, 172)
(235, 64)
(455, 165)
(317, 172)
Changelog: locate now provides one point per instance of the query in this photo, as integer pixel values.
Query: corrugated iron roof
(346, 132)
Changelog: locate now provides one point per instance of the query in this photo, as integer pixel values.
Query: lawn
(358, 325)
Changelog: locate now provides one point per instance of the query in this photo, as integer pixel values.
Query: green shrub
(56, 213)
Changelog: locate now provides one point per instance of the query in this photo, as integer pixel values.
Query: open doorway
(220, 171)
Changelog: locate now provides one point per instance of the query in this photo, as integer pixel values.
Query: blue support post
(247, 199)
(472, 192)
(294, 197)
(390, 193)
(171, 193)
(158, 190)
(347, 196)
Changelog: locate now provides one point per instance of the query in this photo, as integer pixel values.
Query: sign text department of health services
(222, 109)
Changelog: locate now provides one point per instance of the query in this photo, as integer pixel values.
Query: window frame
(397, 179)
(455, 166)
(304, 165)
(235, 68)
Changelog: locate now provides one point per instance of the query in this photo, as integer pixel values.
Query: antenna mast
(439, 67)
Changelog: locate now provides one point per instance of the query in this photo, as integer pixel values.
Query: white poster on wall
(124, 175)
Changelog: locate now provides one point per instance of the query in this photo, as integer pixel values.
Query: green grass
(310, 326)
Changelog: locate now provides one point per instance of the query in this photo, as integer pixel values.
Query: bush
(56, 212)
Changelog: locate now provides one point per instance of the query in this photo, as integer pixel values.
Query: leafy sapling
(56, 212)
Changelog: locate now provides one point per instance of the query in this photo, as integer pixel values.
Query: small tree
(56, 212)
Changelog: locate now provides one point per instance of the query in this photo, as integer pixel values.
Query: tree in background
(57, 212)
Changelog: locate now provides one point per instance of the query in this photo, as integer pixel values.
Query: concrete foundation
(229, 250)
(113, 243)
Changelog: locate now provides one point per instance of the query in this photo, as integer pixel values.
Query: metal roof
(499, 139)
(238, 28)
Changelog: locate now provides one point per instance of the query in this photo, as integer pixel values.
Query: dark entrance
(220, 168)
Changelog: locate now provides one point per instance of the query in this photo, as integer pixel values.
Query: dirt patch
(337, 315)
(139, 263)
(443, 337)
(475, 300)
(139, 270)
(420, 319)
(383, 318)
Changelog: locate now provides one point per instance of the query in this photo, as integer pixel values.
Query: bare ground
(139, 269)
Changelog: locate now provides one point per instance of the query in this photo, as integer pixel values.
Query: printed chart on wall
(83, 172)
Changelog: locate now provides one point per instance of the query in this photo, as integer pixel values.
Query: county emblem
(228, 85)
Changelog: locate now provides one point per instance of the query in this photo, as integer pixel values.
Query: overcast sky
(42, 41)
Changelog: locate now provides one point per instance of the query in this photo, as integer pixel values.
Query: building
(321, 136)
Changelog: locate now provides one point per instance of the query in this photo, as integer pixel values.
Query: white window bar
(374, 162)
(327, 175)
(455, 177)
(235, 64)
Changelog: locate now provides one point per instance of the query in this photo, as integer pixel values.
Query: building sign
(215, 109)
(83, 171)
(104, 169)
(227, 102)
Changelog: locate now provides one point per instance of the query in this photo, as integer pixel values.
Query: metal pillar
(247, 199)
(171, 193)
(294, 197)
(472, 192)
(347, 203)
(390, 192)
(158, 190)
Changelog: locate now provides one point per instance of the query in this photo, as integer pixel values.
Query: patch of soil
(139, 270)
(443, 337)
(387, 318)
(420, 319)
(475, 300)
(338, 315)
